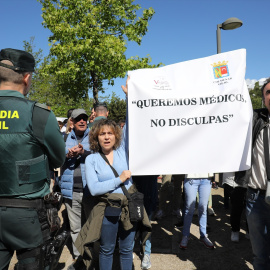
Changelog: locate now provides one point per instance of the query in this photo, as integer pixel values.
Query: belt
(22, 203)
(261, 191)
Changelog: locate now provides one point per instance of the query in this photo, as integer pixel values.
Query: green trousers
(19, 230)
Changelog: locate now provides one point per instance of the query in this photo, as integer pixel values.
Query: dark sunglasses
(83, 117)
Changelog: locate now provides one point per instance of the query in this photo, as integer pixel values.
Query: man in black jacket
(258, 211)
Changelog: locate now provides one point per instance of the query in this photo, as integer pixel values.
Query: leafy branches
(256, 96)
(89, 41)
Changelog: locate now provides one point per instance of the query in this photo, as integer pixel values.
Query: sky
(180, 30)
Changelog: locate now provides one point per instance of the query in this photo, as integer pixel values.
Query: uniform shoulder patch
(43, 106)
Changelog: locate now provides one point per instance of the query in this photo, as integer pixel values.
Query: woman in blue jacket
(106, 137)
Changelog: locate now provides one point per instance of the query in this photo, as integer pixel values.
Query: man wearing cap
(30, 144)
(73, 183)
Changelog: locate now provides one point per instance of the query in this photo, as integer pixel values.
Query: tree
(44, 88)
(89, 42)
(29, 46)
(117, 108)
(256, 96)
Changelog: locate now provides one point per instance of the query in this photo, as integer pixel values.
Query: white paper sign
(190, 117)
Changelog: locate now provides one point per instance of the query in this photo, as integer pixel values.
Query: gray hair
(265, 83)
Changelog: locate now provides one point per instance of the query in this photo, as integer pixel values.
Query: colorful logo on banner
(220, 69)
(161, 83)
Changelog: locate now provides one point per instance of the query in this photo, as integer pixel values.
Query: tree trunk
(95, 87)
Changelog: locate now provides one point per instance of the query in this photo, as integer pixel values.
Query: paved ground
(165, 240)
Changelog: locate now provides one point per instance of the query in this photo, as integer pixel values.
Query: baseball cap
(78, 112)
(21, 60)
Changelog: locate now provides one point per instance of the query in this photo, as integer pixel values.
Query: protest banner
(190, 117)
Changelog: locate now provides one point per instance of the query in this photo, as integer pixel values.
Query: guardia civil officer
(30, 143)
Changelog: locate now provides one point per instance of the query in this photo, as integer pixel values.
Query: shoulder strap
(40, 117)
(43, 106)
(266, 152)
(116, 175)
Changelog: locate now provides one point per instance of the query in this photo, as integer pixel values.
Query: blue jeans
(110, 227)
(148, 243)
(258, 217)
(191, 187)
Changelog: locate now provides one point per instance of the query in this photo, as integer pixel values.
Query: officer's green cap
(21, 60)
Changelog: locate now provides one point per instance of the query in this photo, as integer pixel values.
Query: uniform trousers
(20, 229)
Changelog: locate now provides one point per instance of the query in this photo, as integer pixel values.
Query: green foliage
(29, 46)
(117, 108)
(89, 42)
(256, 96)
(44, 88)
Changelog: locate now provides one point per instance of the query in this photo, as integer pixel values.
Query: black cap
(100, 104)
(21, 60)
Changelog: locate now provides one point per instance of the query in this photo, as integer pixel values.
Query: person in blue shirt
(106, 137)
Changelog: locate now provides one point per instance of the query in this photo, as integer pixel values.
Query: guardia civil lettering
(7, 115)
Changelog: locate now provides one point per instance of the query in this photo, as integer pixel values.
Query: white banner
(190, 117)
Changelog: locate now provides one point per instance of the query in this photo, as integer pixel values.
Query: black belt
(262, 191)
(22, 203)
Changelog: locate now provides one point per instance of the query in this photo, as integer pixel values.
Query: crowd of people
(92, 154)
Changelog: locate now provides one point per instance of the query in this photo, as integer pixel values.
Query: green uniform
(30, 143)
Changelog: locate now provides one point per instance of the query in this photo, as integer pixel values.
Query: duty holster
(52, 250)
(45, 255)
(53, 203)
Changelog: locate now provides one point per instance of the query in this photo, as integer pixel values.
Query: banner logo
(220, 69)
(161, 83)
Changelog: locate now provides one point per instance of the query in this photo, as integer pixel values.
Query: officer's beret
(103, 104)
(21, 60)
